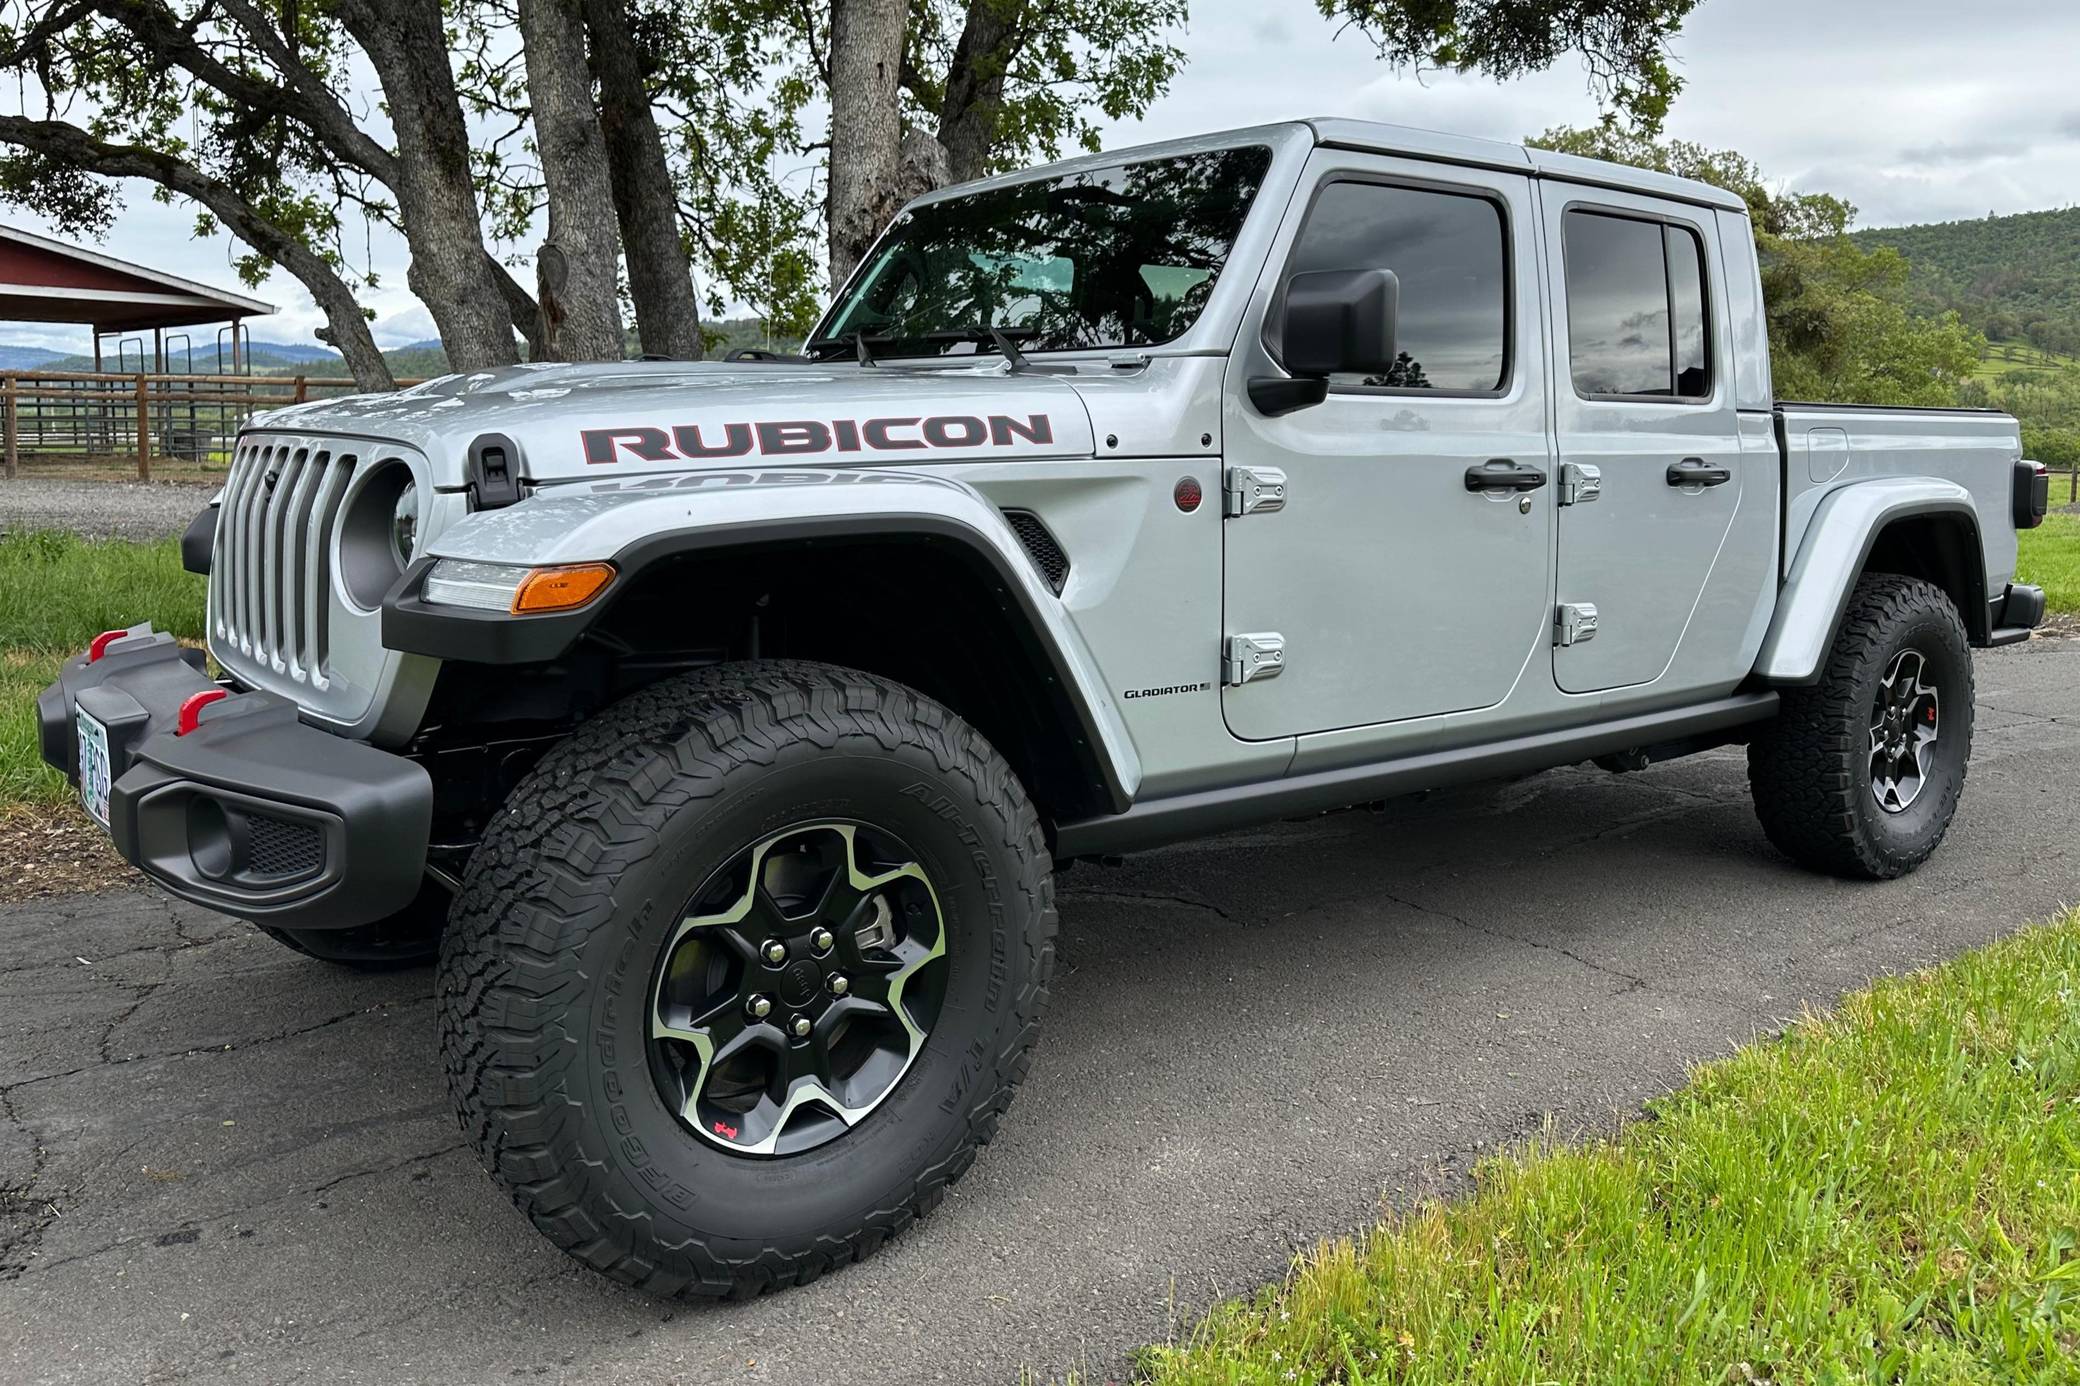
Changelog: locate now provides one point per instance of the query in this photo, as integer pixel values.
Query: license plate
(93, 767)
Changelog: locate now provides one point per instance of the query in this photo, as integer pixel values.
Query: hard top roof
(1405, 141)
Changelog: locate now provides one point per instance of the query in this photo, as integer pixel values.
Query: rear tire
(562, 1030)
(408, 938)
(1861, 772)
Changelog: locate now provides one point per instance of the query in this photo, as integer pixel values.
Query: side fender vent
(1047, 555)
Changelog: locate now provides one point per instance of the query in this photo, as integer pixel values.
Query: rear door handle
(1695, 471)
(1501, 474)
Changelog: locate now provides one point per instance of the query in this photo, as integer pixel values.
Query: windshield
(1110, 257)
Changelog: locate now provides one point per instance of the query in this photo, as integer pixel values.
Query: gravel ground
(101, 509)
(221, 1162)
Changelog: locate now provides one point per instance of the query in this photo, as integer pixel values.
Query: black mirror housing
(1341, 322)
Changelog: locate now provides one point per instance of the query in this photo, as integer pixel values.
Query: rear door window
(1636, 323)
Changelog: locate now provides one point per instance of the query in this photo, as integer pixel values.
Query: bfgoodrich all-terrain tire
(744, 973)
(1861, 773)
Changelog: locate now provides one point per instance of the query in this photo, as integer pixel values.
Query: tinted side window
(1686, 298)
(1447, 250)
(1635, 308)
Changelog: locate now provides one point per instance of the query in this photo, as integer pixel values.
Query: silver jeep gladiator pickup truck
(720, 726)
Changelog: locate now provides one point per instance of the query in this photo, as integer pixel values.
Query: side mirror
(1335, 322)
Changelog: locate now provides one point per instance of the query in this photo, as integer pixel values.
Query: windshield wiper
(860, 344)
(1005, 340)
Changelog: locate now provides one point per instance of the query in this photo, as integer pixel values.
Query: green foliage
(728, 85)
(1071, 64)
(2048, 404)
(1886, 1195)
(1840, 328)
(739, 76)
(1622, 43)
(2015, 278)
(117, 82)
(57, 593)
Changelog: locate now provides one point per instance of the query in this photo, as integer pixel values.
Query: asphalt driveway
(219, 1161)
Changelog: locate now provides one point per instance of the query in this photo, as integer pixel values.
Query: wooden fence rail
(154, 415)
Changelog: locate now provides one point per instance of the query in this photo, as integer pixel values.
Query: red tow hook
(190, 716)
(102, 642)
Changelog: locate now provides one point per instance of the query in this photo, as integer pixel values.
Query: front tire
(601, 978)
(1860, 774)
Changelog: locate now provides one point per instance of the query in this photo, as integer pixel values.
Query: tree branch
(74, 147)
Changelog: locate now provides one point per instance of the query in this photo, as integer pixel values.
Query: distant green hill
(2015, 278)
(413, 361)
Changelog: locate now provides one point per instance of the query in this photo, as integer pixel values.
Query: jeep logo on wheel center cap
(800, 982)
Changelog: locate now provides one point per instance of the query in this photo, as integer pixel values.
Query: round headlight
(404, 523)
(378, 532)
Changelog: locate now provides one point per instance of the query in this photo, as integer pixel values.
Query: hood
(595, 422)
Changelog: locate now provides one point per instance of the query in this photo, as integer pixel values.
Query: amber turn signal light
(562, 589)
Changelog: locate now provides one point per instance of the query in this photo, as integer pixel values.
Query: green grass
(1890, 1193)
(2019, 359)
(2050, 559)
(56, 594)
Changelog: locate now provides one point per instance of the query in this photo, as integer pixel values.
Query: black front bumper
(250, 812)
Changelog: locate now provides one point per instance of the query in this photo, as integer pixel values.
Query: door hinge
(1251, 657)
(1253, 491)
(1574, 622)
(1580, 483)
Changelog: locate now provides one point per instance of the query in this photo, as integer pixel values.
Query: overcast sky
(1915, 110)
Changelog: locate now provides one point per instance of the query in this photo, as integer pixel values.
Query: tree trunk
(525, 313)
(660, 277)
(69, 145)
(450, 270)
(578, 273)
(866, 125)
(975, 85)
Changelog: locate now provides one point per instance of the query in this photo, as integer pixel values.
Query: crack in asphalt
(1102, 895)
(144, 992)
(25, 1215)
(1634, 982)
(187, 943)
(242, 1211)
(2018, 712)
(229, 1047)
(405, 1162)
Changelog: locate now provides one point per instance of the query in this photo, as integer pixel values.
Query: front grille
(1040, 546)
(270, 577)
(279, 847)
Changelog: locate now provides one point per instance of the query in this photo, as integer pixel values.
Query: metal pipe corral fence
(141, 415)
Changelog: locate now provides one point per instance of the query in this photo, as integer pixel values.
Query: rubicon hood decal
(587, 423)
(806, 437)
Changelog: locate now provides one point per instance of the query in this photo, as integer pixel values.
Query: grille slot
(1041, 547)
(271, 574)
(279, 847)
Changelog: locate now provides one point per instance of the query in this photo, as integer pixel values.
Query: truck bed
(1827, 446)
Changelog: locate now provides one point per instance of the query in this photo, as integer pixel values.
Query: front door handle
(1695, 471)
(1501, 474)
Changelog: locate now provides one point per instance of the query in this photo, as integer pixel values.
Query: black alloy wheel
(798, 988)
